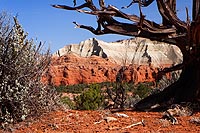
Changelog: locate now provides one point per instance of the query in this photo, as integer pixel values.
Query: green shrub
(21, 66)
(90, 99)
(78, 88)
(142, 90)
(67, 101)
(60, 88)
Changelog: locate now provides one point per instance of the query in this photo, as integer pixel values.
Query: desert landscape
(74, 65)
(146, 82)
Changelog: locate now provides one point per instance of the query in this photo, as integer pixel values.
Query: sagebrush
(22, 64)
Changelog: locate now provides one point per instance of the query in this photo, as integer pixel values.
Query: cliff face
(97, 61)
(73, 69)
(138, 51)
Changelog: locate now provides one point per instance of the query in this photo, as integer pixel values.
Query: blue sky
(55, 27)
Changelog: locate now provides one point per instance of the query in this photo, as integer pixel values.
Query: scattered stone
(195, 120)
(109, 119)
(121, 115)
(177, 110)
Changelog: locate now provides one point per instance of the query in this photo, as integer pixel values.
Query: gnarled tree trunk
(187, 88)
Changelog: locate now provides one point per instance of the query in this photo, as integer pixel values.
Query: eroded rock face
(138, 51)
(73, 69)
(96, 61)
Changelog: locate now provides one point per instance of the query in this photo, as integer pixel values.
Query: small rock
(195, 120)
(108, 119)
(121, 115)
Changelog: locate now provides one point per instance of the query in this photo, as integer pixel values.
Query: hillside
(93, 60)
(138, 51)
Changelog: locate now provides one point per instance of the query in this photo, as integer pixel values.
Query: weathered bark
(195, 9)
(172, 5)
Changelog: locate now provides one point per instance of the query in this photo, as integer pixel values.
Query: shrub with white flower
(22, 64)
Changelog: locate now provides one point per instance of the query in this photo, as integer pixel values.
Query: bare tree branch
(169, 15)
(89, 4)
(102, 4)
(71, 8)
(74, 1)
(138, 26)
(91, 29)
(144, 3)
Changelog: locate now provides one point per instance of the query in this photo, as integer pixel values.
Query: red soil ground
(92, 121)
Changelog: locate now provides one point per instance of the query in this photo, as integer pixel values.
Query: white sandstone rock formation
(139, 51)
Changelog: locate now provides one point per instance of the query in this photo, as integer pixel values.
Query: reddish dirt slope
(89, 121)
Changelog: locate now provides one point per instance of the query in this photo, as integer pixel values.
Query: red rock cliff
(73, 69)
(97, 61)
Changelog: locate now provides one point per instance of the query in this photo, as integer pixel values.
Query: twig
(107, 119)
(98, 122)
(135, 124)
(170, 117)
(121, 115)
